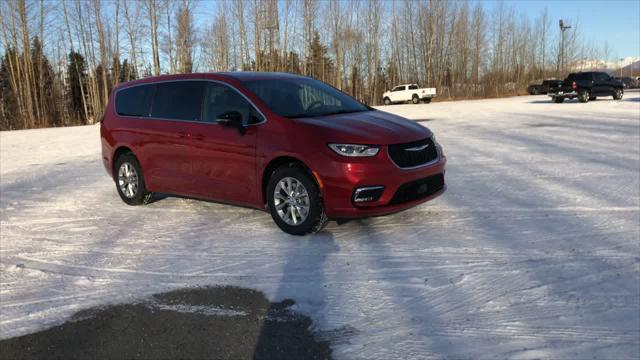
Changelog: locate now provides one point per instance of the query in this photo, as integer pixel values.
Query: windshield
(301, 97)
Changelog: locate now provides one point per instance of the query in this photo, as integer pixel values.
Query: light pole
(563, 27)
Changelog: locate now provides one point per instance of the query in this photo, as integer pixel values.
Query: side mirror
(231, 119)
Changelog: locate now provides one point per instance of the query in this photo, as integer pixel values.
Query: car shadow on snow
(219, 322)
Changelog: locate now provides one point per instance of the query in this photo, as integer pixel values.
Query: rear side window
(413, 87)
(134, 101)
(584, 76)
(180, 100)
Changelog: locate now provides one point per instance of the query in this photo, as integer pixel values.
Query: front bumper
(343, 178)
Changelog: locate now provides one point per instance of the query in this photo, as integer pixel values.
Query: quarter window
(134, 101)
(180, 100)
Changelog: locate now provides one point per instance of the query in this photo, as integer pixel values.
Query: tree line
(61, 60)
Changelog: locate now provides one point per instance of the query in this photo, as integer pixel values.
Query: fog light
(367, 194)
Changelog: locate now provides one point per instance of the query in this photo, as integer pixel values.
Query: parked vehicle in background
(538, 89)
(408, 92)
(284, 143)
(587, 86)
(628, 82)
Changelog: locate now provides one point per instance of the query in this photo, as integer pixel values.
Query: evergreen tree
(76, 85)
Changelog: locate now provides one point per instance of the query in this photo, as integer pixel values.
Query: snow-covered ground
(533, 252)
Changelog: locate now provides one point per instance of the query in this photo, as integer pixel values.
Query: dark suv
(628, 82)
(587, 86)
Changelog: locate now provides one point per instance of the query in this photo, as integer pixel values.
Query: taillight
(573, 85)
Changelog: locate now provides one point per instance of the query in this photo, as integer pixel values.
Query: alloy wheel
(128, 180)
(291, 201)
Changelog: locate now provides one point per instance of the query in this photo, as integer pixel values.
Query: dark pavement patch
(197, 323)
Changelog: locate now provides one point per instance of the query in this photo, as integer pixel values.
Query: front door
(398, 93)
(223, 159)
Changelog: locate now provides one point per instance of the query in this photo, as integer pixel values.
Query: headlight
(355, 150)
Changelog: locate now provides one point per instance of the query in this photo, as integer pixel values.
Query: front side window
(303, 97)
(398, 88)
(134, 101)
(220, 99)
(180, 100)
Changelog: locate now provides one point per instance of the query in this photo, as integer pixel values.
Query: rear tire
(129, 180)
(617, 94)
(415, 99)
(583, 96)
(387, 101)
(558, 100)
(295, 202)
(535, 92)
(427, 100)
(592, 98)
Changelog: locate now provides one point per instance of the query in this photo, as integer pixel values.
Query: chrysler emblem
(417, 148)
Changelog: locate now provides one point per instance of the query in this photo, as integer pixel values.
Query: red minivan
(287, 143)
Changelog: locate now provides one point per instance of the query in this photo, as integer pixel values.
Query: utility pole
(563, 27)
(620, 65)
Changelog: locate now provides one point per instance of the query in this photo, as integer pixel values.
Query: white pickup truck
(408, 92)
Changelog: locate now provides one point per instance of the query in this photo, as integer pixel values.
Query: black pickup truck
(586, 86)
(537, 89)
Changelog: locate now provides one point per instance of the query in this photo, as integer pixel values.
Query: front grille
(418, 189)
(413, 154)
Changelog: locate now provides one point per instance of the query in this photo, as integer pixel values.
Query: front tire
(387, 101)
(130, 180)
(415, 99)
(558, 100)
(295, 202)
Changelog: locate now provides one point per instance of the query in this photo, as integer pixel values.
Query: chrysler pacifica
(288, 144)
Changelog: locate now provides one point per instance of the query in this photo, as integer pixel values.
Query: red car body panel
(210, 161)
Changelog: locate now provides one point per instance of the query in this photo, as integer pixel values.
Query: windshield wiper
(308, 115)
(344, 112)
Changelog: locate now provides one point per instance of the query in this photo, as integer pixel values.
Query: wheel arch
(121, 150)
(285, 160)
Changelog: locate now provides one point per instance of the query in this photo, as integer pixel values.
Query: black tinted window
(580, 76)
(413, 87)
(303, 97)
(180, 100)
(134, 101)
(584, 76)
(220, 99)
(601, 76)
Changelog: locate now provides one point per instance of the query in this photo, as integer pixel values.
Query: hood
(369, 127)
